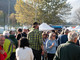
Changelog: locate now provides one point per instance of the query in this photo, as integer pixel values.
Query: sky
(75, 4)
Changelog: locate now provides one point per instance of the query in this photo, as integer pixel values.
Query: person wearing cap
(8, 45)
(35, 41)
(63, 38)
(25, 31)
(69, 50)
(3, 54)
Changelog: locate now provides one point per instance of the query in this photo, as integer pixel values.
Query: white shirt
(24, 54)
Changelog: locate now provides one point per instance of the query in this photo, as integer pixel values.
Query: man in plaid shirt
(35, 41)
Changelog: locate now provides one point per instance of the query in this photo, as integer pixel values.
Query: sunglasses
(53, 35)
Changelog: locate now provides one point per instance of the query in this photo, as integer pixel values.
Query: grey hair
(50, 35)
(6, 33)
(72, 35)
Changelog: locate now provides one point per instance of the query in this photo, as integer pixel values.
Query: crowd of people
(32, 44)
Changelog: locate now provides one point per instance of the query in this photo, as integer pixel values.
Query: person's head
(2, 40)
(72, 36)
(12, 32)
(6, 33)
(66, 31)
(62, 32)
(52, 36)
(25, 29)
(36, 25)
(19, 30)
(24, 42)
(44, 35)
(53, 31)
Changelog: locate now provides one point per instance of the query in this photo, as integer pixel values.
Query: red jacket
(2, 56)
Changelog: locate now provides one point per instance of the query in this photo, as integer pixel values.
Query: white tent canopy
(70, 28)
(45, 27)
(77, 28)
(13, 29)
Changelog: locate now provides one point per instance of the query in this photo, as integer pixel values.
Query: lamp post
(8, 14)
(4, 21)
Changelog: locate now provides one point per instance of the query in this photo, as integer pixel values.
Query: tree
(49, 11)
(24, 12)
(76, 17)
(52, 11)
(13, 21)
(1, 14)
(1, 17)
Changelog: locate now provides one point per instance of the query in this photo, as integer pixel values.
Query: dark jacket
(24, 34)
(13, 38)
(68, 51)
(62, 39)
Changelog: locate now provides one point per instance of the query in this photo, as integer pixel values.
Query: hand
(42, 47)
(14, 46)
(42, 52)
(2, 51)
(52, 44)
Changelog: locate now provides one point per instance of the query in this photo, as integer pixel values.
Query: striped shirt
(35, 39)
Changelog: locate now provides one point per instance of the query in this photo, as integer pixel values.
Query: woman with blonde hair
(51, 45)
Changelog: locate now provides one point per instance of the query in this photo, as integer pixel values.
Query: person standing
(51, 45)
(24, 52)
(19, 35)
(13, 38)
(63, 38)
(35, 41)
(15, 44)
(3, 54)
(8, 45)
(25, 31)
(68, 50)
(45, 38)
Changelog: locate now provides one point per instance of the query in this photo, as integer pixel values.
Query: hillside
(4, 5)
